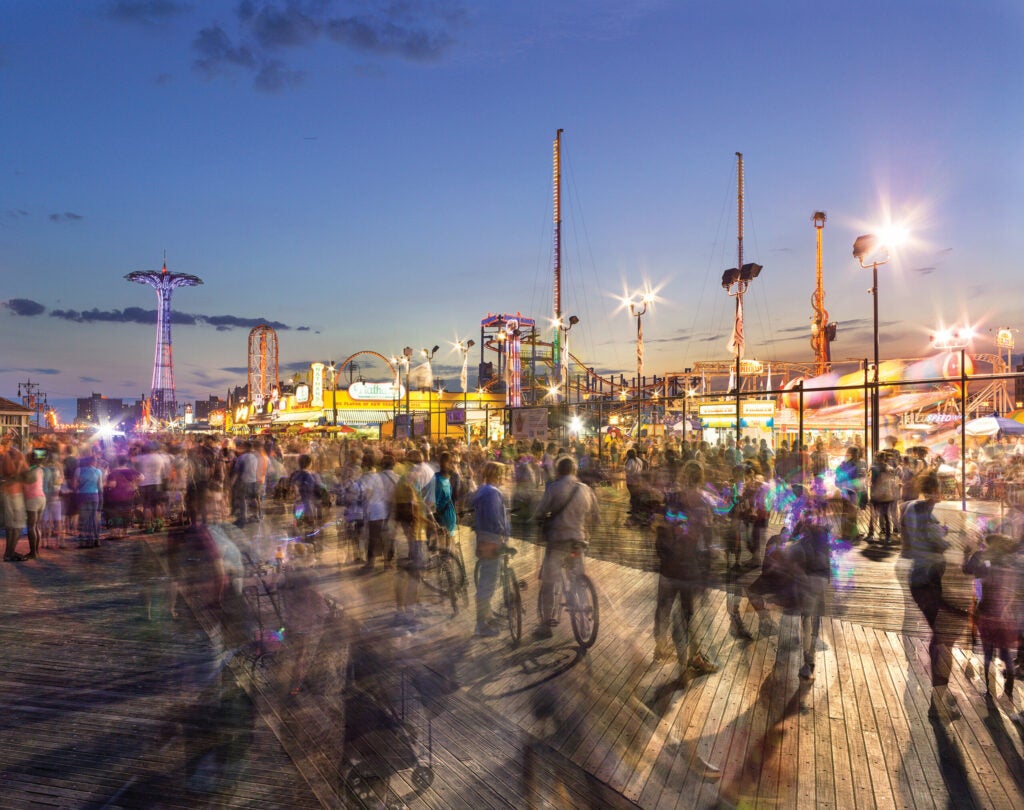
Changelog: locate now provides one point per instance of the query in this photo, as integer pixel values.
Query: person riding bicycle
(567, 511)
(490, 522)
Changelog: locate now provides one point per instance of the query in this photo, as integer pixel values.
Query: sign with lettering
(376, 390)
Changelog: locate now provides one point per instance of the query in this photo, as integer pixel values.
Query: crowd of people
(778, 514)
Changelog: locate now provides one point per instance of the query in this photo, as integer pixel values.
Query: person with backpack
(567, 510)
(810, 556)
(410, 514)
(884, 492)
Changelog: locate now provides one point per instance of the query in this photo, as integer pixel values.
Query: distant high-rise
(163, 402)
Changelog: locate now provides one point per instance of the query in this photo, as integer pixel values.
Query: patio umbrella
(994, 426)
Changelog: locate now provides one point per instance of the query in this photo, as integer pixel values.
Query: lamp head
(573, 320)
(864, 246)
(470, 344)
(750, 271)
(730, 277)
(434, 350)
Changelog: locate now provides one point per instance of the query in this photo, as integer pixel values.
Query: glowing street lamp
(871, 250)
(957, 339)
(637, 309)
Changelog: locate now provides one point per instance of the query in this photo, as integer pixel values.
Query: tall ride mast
(556, 338)
(822, 332)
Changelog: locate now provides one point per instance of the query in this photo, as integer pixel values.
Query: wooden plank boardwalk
(438, 718)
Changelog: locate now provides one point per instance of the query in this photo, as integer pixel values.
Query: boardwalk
(439, 719)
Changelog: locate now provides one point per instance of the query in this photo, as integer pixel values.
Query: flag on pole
(732, 379)
(464, 375)
(768, 383)
(735, 345)
(398, 380)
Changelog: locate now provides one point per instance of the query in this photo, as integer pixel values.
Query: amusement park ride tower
(163, 403)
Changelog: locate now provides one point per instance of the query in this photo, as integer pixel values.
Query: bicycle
(445, 571)
(261, 651)
(575, 593)
(511, 597)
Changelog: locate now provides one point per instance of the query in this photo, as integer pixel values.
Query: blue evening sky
(372, 175)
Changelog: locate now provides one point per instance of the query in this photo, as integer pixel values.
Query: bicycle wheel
(458, 567)
(513, 604)
(450, 592)
(557, 604)
(583, 611)
(433, 577)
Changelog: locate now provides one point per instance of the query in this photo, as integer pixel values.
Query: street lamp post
(429, 355)
(866, 250)
(957, 340)
(735, 281)
(464, 348)
(407, 360)
(637, 309)
(332, 369)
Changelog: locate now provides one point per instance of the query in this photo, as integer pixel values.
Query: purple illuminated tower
(163, 404)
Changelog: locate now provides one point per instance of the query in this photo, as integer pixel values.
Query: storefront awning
(360, 416)
(296, 417)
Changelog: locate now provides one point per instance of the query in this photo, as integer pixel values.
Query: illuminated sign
(758, 409)
(318, 385)
(942, 418)
(455, 416)
(302, 393)
(369, 390)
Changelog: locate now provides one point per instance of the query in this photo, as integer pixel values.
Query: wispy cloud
(67, 216)
(216, 53)
(413, 30)
(49, 371)
(145, 12)
(26, 307)
(14, 213)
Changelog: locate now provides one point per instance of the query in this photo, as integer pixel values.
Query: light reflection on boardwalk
(438, 718)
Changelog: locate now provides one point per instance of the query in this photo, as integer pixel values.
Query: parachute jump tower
(164, 405)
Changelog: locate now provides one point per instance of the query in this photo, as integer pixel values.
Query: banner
(735, 345)
(530, 423)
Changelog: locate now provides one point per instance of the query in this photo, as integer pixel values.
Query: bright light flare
(953, 337)
(645, 296)
(893, 236)
(575, 424)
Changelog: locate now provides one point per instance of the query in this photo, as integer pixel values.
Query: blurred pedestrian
(924, 542)
(490, 522)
